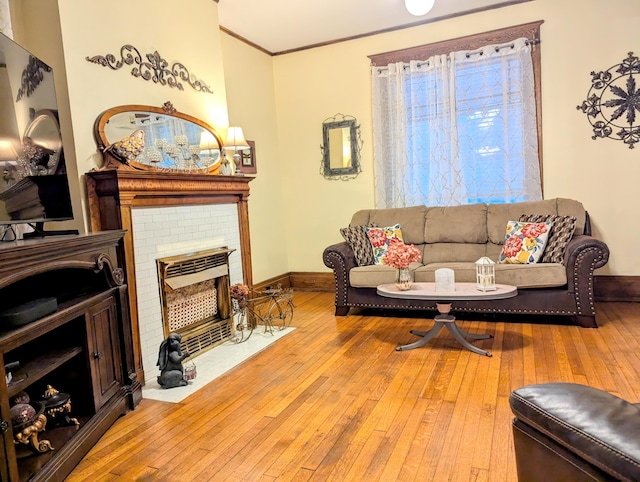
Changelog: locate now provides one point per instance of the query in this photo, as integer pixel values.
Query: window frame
(472, 43)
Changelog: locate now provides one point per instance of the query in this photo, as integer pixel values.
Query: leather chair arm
(597, 426)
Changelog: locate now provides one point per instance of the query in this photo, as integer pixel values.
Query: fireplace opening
(194, 292)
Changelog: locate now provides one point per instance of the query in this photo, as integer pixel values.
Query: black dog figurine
(170, 362)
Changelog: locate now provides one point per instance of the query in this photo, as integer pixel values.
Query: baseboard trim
(617, 288)
(606, 288)
(306, 281)
(283, 280)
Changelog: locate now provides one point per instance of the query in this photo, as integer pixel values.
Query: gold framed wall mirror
(144, 137)
(341, 146)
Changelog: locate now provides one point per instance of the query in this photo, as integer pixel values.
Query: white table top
(463, 291)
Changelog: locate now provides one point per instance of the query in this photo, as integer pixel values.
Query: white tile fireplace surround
(159, 232)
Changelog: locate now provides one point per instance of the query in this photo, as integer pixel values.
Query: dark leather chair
(570, 432)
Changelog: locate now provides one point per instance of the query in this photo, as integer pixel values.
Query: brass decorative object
(613, 101)
(27, 433)
(155, 68)
(31, 77)
(57, 407)
(168, 108)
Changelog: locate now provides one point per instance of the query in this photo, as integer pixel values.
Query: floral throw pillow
(524, 242)
(381, 238)
(562, 228)
(359, 242)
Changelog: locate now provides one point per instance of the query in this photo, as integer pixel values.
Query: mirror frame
(340, 121)
(168, 110)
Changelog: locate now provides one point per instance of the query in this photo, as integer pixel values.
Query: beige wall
(315, 84)
(252, 105)
(184, 31)
(179, 31)
(281, 102)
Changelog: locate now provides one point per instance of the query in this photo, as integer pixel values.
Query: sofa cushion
(456, 224)
(540, 275)
(562, 229)
(524, 242)
(411, 219)
(381, 238)
(359, 242)
(361, 218)
(499, 214)
(448, 252)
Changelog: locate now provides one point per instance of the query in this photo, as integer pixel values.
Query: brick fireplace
(167, 214)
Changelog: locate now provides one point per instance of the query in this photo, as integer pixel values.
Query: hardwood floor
(334, 401)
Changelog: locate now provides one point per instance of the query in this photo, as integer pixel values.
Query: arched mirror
(151, 138)
(341, 144)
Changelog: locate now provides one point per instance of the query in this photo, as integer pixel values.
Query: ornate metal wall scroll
(155, 68)
(31, 77)
(613, 101)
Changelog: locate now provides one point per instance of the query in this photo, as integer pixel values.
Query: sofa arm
(595, 426)
(340, 258)
(583, 255)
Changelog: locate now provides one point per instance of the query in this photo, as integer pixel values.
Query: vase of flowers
(403, 279)
(400, 256)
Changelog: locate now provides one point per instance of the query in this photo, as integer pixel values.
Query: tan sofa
(455, 237)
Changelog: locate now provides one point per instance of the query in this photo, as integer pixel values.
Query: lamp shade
(235, 139)
(419, 7)
(207, 141)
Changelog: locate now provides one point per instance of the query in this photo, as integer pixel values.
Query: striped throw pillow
(357, 238)
(562, 228)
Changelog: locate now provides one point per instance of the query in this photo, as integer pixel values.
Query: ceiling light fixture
(419, 7)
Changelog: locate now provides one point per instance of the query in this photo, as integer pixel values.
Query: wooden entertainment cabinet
(83, 349)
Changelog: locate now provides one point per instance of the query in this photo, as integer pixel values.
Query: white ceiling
(278, 26)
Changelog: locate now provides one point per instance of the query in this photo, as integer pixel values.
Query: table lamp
(235, 139)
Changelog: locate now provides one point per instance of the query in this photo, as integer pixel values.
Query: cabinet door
(104, 351)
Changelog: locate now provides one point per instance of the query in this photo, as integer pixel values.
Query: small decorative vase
(403, 279)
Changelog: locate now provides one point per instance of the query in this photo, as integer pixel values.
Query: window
(459, 127)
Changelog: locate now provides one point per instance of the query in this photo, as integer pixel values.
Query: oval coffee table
(463, 291)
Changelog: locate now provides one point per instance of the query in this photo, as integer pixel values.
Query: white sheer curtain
(457, 129)
(5, 19)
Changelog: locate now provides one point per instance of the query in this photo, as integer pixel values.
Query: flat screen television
(34, 188)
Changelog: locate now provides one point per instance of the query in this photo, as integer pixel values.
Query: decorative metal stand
(272, 308)
(27, 433)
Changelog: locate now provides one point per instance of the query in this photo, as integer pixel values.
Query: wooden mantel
(113, 193)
